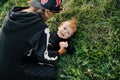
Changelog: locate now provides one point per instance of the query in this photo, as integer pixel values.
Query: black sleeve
(40, 48)
(70, 50)
(50, 46)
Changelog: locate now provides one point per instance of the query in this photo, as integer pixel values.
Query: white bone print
(46, 52)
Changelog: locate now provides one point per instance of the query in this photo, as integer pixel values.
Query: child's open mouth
(62, 34)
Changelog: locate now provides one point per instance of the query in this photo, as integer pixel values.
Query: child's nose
(65, 32)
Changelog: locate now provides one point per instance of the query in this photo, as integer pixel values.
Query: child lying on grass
(59, 41)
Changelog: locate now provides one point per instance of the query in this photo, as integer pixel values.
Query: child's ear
(58, 27)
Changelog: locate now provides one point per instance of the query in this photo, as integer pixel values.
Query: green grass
(97, 40)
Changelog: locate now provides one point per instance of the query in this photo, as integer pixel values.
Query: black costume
(22, 32)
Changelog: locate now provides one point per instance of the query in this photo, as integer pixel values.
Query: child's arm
(62, 49)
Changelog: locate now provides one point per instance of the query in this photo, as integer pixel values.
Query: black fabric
(40, 72)
(54, 41)
(17, 37)
(33, 72)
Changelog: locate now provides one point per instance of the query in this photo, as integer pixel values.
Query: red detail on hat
(58, 2)
(44, 1)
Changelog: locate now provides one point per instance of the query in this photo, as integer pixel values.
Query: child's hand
(63, 44)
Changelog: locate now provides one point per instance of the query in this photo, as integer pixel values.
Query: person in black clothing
(24, 30)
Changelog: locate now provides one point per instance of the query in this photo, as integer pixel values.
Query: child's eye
(64, 28)
(68, 33)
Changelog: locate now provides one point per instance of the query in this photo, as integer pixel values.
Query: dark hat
(52, 5)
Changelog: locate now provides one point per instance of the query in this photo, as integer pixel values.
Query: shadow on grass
(2, 2)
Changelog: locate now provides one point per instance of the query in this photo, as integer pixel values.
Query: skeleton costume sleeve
(40, 47)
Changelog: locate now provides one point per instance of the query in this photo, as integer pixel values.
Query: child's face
(65, 31)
